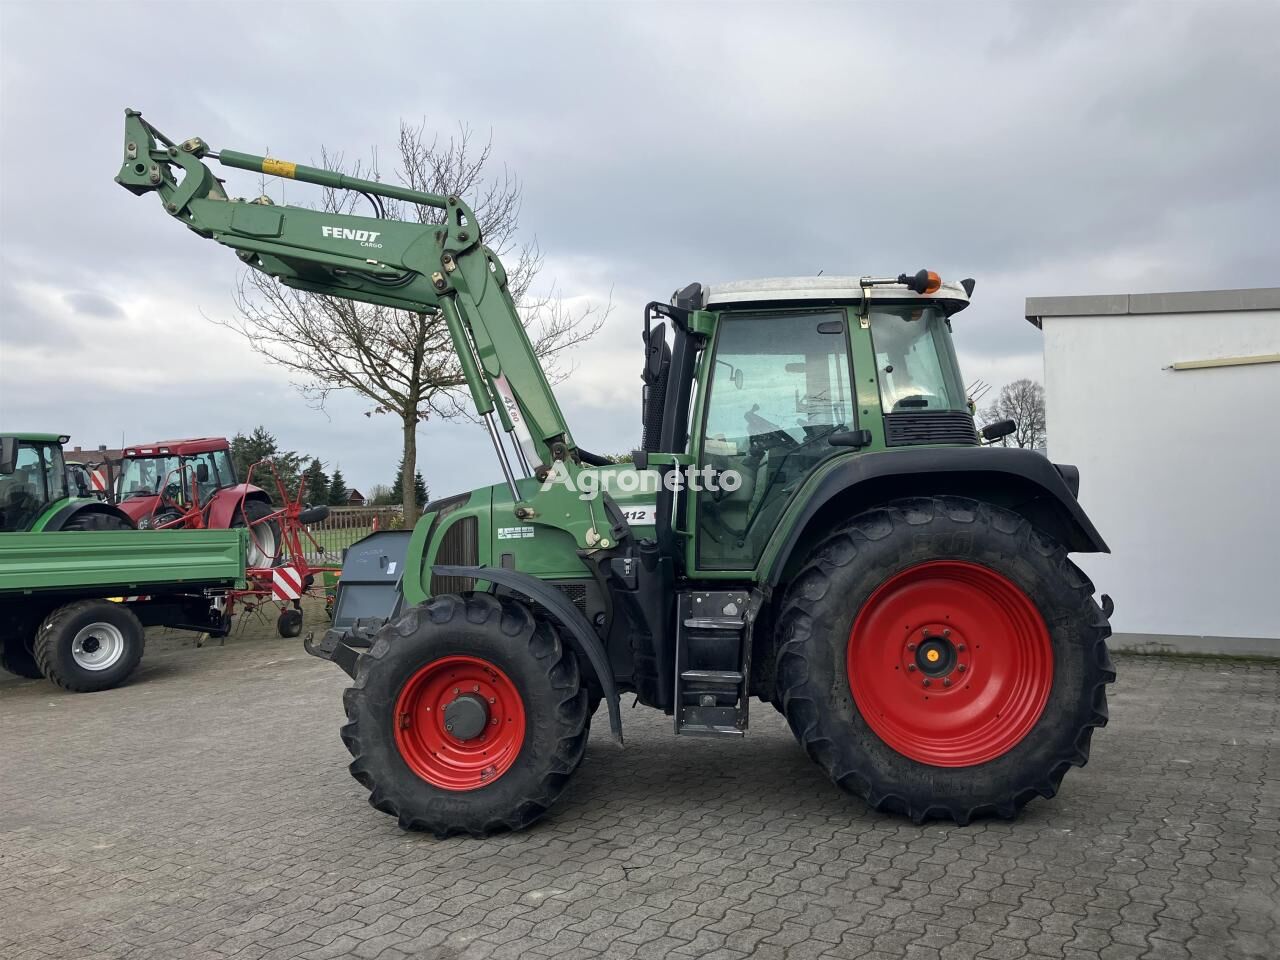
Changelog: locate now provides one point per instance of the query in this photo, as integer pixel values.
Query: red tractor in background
(191, 484)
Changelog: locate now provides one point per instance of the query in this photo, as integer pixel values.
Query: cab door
(778, 386)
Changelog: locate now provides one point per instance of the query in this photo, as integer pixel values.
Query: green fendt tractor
(34, 492)
(812, 520)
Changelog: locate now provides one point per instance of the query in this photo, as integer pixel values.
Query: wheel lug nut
(475, 688)
(911, 666)
(960, 647)
(946, 682)
(946, 633)
(492, 700)
(911, 647)
(456, 691)
(926, 681)
(961, 668)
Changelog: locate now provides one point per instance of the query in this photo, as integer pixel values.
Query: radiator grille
(460, 546)
(941, 426)
(576, 594)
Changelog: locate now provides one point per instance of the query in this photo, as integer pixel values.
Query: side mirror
(850, 438)
(202, 473)
(995, 431)
(737, 378)
(8, 455)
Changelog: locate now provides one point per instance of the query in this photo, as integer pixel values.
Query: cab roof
(818, 290)
(176, 448)
(38, 437)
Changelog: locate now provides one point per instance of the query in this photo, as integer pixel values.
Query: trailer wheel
(17, 658)
(89, 645)
(942, 658)
(467, 715)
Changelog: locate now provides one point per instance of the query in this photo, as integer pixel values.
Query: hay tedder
(192, 485)
(812, 520)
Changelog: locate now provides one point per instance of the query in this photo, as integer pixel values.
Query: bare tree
(401, 361)
(1022, 402)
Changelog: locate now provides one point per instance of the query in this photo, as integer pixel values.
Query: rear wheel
(942, 658)
(467, 715)
(94, 520)
(264, 535)
(89, 645)
(17, 658)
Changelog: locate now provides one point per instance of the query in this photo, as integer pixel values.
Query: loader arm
(425, 268)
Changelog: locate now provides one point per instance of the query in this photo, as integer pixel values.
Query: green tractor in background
(813, 520)
(35, 497)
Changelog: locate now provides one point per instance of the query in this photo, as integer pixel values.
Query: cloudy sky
(1040, 148)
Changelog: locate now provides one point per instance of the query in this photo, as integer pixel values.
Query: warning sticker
(278, 168)
(515, 533)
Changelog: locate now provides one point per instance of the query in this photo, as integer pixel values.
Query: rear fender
(1019, 480)
(226, 503)
(78, 508)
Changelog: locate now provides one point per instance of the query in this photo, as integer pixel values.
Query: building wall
(1180, 470)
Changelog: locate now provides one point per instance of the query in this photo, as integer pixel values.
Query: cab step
(713, 666)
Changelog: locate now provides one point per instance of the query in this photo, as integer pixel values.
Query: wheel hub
(466, 717)
(936, 656)
(97, 646)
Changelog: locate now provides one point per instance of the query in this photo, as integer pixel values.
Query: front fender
(581, 636)
(1020, 480)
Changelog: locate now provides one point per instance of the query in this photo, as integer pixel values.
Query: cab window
(779, 388)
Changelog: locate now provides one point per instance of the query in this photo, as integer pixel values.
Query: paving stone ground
(205, 811)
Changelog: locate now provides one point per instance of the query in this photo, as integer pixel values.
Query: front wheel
(89, 645)
(942, 658)
(467, 715)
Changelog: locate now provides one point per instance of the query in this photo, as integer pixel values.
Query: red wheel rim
(453, 695)
(950, 663)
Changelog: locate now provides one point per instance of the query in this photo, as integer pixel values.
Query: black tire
(813, 679)
(159, 519)
(17, 658)
(72, 637)
(95, 520)
(263, 537)
(289, 623)
(542, 670)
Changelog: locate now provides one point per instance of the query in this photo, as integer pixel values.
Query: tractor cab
(192, 484)
(32, 477)
(34, 490)
(782, 376)
(160, 481)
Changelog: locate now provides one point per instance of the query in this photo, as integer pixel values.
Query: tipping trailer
(812, 520)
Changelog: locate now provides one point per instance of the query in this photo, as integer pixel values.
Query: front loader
(812, 520)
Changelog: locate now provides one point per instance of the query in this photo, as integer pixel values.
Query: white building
(1169, 403)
